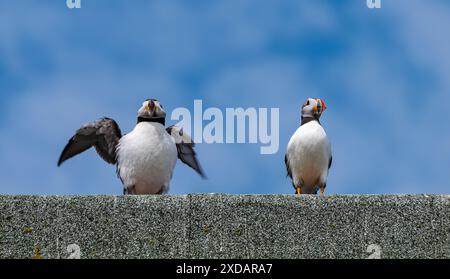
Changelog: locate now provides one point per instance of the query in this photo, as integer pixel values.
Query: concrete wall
(225, 226)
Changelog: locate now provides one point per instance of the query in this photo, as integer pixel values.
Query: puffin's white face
(151, 108)
(313, 108)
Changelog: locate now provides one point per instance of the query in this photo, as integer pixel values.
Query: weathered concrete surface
(225, 226)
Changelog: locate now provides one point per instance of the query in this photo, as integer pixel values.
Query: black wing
(185, 148)
(288, 168)
(104, 134)
(330, 162)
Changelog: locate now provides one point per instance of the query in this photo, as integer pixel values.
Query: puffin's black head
(151, 108)
(313, 108)
(151, 111)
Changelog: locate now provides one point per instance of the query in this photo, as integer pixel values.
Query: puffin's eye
(307, 103)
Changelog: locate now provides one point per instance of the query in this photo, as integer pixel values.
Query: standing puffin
(308, 157)
(145, 157)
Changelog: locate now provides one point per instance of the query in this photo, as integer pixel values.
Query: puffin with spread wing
(145, 157)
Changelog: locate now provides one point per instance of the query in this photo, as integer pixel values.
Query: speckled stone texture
(225, 226)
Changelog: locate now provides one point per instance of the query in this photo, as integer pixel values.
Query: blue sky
(384, 74)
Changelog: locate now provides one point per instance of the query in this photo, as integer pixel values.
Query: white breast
(146, 158)
(309, 152)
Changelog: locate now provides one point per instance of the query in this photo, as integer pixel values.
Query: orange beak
(151, 105)
(320, 107)
(324, 106)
